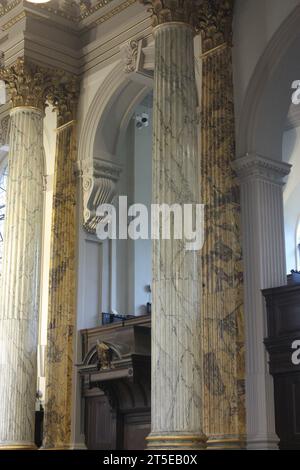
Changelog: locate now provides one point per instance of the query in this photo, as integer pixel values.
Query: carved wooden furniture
(283, 312)
(115, 375)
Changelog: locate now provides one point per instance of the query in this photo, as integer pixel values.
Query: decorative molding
(99, 181)
(14, 21)
(74, 11)
(167, 11)
(256, 166)
(114, 12)
(6, 6)
(77, 11)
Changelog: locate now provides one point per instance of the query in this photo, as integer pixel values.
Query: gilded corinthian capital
(166, 11)
(215, 23)
(27, 83)
(64, 96)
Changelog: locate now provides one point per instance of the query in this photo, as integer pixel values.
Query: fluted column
(176, 327)
(262, 182)
(20, 289)
(222, 270)
(62, 285)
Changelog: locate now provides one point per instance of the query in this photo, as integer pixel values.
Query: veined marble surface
(222, 270)
(62, 295)
(21, 278)
(176, 326)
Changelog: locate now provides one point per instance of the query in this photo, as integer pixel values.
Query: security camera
(145, 119)
(142, 120)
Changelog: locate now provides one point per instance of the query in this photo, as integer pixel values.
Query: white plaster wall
(291, 195)
(93, 257)
(255, 22)
(142, 195)
(131, 260)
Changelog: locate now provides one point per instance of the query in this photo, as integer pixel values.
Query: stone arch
(104, 127)
(260, 129)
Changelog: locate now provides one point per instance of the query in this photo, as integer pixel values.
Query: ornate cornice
(258, 167)
(215, 23)
(6, 6)
(79, 10)
(167, 11)
(14, 21)
(27, 83)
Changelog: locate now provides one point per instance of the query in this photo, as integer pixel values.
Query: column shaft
(62, 295)
(176, 326)
(222, 270)
(20, 289)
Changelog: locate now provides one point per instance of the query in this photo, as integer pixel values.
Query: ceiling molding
(7, 6)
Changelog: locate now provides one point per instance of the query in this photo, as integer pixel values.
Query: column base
(263, 442)
(226, 443)
(176, 442)
(59, 447)
(17, 446)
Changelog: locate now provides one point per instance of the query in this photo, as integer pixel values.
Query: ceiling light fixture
(38, 1)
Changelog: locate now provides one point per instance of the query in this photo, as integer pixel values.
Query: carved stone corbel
(99, 181)
(133, 55)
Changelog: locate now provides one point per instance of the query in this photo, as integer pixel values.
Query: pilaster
(261, 181)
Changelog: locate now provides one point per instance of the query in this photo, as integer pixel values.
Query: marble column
(176, 323)
(222, 270)
(20, 289)
(262, 181)
(62, 284)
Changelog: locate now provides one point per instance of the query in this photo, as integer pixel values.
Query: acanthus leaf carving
(212, 18)
(167, 11)
(130, 55)
(27, 83)
(215, 23)
(64, 95)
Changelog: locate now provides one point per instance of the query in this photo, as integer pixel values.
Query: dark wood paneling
(283, 310)
(100, 431)
(117, 388)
